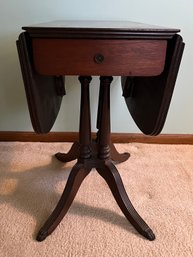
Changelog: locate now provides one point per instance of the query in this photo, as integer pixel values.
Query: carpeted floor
(157, 178)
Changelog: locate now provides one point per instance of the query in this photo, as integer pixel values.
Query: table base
(100, 154)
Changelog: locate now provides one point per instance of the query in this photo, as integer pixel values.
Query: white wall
(14, 14)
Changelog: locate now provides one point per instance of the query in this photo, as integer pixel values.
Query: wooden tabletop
(98, 29)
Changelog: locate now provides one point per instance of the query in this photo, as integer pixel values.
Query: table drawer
(99, 57)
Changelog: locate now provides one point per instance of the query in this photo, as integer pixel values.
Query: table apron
(104, 57)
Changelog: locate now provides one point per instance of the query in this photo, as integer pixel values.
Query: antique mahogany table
(146, 57)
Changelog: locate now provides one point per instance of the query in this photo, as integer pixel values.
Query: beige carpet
(158, 179)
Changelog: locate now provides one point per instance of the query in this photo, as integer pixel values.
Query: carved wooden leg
(75, 151)
(81, 149)
(71, 155)
(116, 156)
(74, 181)
(108, 171)
(85, 124)
(104, 125)
(79, 171)
(114, 181)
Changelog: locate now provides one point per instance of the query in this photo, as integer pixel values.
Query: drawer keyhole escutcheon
(99, 58)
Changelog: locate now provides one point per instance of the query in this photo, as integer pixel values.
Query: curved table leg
(71, 155)
(114, 181)
(116, 156)
(74, 181)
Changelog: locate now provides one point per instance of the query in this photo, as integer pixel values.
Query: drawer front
(99, 57)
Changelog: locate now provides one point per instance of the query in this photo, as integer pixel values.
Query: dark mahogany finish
(118, 57)
(147, 57)
(43, 107)
(99, 29)
(148, 98)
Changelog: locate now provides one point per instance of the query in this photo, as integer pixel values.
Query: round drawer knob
(99, 58)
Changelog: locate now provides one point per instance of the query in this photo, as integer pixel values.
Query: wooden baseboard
(116, 137)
